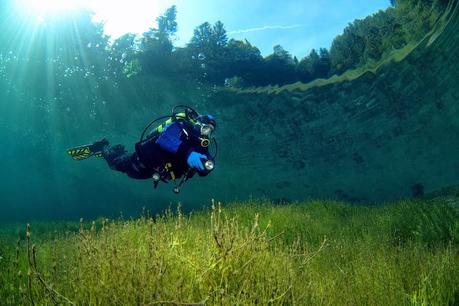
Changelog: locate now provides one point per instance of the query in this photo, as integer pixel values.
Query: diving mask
(207, 130)
(207, 125)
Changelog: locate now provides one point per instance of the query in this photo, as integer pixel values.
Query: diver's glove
(194, 161)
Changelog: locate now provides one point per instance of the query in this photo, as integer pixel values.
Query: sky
(297, 25)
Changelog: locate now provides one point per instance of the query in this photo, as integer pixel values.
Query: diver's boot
(114, 155)
(99, 146)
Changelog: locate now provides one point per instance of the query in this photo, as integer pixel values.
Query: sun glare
(43, 7)
(119, 17)
(135, 16)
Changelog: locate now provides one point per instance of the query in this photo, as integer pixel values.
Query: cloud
(265, 28)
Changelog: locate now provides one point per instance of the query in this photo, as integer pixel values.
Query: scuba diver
(175, 150)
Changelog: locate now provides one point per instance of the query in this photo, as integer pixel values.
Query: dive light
(209, 165)
(156, 177)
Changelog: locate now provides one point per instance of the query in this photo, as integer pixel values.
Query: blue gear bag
(169, 139)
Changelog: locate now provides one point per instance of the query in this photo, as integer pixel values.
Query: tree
(219, 37)
(304, 73)
(167, 23)
(211, 57)
(347, 50)
(208, 48)
(122, 53)
(309, 66)
(208, 38)
(156, 45)
(202, 37)
(279, 67)
(243, 60)
(324, 65)
(314, 62)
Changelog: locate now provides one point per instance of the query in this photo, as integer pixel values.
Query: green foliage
(431, 225)
(132, 68)
(279, 67)
(367, 40)
(208, 50)
(244, 60)
(167, 24)
(155, 49)
(208, 38)
(210, 57)
(323, 67)
(122, 53)
(234, 82)
(419, 16)
(362, 42)
(314, 253)
(347, 50)
(61, 58)
(314, 66)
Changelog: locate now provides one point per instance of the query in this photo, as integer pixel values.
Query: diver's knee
(115, 156)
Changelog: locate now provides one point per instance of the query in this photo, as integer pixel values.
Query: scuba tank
(187, 114)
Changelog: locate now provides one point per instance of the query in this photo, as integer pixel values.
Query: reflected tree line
(214, 58)
(210, 56)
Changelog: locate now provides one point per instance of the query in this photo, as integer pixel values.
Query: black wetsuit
(164, 153)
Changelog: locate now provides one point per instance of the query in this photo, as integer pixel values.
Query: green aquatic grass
(311, 253)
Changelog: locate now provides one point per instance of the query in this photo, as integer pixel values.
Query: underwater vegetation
(310, 253)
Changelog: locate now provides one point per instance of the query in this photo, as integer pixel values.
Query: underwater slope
(385, 134)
